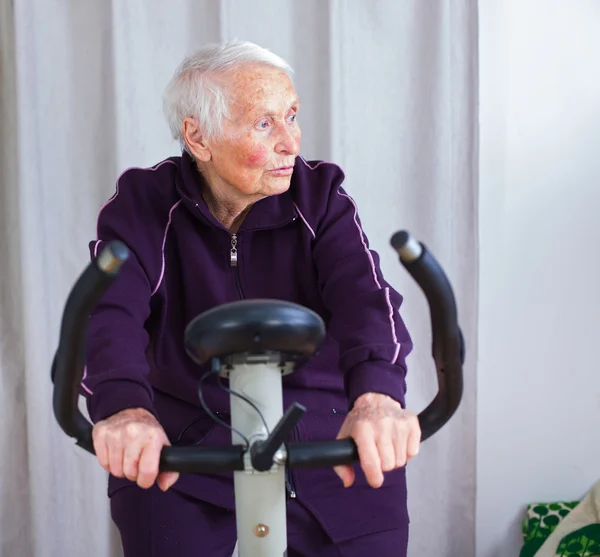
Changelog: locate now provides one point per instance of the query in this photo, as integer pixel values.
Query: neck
(229, 212)
(221, 199)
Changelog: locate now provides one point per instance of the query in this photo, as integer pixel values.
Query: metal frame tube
(260, 497)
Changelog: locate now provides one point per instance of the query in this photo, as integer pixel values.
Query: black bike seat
(254, 327)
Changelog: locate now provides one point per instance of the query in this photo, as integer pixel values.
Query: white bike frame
(260, 497)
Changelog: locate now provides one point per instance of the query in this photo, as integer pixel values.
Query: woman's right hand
(128, 445)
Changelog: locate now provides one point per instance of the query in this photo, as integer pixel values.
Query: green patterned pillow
(584, 542)
(540, 522)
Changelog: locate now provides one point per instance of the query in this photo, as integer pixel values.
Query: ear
(195, 141)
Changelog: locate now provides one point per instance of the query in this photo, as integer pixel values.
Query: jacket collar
(271, 212)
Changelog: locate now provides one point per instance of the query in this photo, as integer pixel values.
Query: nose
(288, 142)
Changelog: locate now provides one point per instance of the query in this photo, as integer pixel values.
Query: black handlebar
(69, 362)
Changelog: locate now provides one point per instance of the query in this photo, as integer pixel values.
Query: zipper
(233, 255)
(233, 259)
(290, 488)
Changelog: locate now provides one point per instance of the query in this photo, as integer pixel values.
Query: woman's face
(261, 138)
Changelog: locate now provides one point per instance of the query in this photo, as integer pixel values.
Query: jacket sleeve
(364, 308)
(116, 373)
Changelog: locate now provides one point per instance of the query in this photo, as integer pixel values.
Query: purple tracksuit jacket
(305, 246)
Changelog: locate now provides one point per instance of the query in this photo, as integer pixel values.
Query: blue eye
(293, 117)
(263, 125)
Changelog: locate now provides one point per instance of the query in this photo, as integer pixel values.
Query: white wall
(538, 378)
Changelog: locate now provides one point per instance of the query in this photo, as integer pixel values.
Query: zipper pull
(233, 252)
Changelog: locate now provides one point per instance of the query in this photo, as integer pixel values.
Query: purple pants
(157, 524)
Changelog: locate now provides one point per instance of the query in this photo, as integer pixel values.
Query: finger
(131, 459)
(344, 432)
(414, 440)
(400, 445)
(115, 458)
(148, 465)
(100, 448)
(346, 474)
(369, 456)
(167, 479)
(387, 452)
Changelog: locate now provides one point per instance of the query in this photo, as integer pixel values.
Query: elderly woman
(240, 214)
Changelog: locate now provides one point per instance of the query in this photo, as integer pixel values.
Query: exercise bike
(254, 343)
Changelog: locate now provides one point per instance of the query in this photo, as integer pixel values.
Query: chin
(277, 186)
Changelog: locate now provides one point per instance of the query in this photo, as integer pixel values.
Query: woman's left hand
(387, 437)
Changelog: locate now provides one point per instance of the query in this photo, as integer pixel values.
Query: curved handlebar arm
(448, 349)
(69, 362)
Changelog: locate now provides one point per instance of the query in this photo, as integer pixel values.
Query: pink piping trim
(162, 251)
(152, 169)
(370, 257)
(98, 242)
(83, 379)
(319, 164)
(393, 324)
(305, 221)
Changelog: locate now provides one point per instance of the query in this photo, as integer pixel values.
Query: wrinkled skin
(386, 435)
(128, 445)
(252, 159)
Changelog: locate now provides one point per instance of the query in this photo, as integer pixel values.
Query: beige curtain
(389, 92)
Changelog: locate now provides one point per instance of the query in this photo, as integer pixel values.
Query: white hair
(195, 91)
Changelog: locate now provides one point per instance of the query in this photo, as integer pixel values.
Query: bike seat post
(260, 497)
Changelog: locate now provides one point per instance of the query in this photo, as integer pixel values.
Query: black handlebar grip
(198, 460)
(70, 355)
(448, 349)
(314, 454)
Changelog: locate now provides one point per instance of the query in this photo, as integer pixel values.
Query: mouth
(282, 171)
